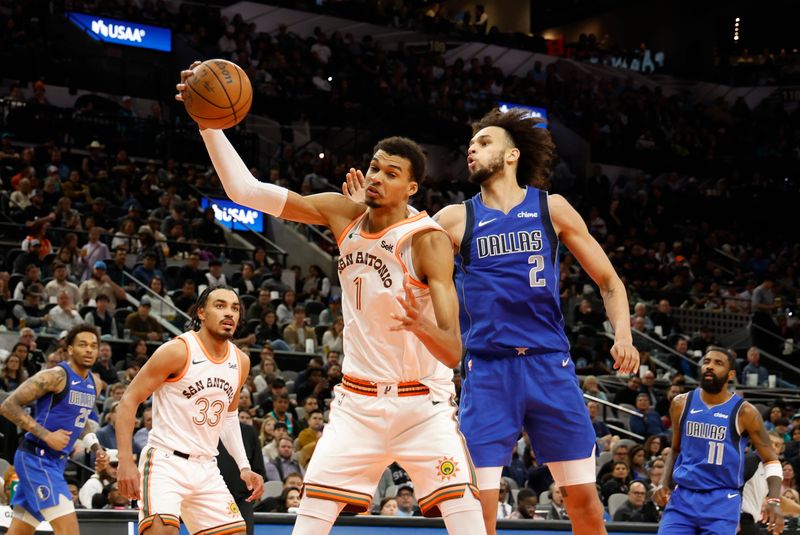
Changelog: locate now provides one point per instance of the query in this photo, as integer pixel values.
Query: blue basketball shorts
(541, 393)
(707, 512)
(41, 482)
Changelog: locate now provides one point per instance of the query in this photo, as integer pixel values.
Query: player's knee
(459, 505)
(582, 501)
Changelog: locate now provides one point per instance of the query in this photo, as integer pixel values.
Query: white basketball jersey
(189, 410)
(371, 269)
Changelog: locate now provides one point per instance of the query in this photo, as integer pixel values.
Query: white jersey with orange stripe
(371, 270)
(189, 410)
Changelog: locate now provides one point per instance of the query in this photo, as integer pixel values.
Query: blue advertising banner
(540, 113)
(235, 216)
(122, 32)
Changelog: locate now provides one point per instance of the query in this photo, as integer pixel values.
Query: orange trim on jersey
(208, 355)
(240, 358)
(185, 366)
(399, 245)
(224, 529)
(340, 237)
(376, 235)
(356, 502)
(429, 504)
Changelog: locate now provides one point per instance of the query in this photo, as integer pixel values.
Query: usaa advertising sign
(235, 216)
(122, 32)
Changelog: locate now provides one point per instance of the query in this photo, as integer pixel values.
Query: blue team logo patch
(43, 492)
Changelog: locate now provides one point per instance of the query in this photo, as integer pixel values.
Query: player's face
(83, 351)
(389, 181)
(715, 372)
(220, 316)
(487, 154)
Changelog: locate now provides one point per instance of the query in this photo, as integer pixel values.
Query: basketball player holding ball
(401, 340)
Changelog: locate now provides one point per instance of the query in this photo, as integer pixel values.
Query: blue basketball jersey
(68, 409)
(712, 451)
(507, 279)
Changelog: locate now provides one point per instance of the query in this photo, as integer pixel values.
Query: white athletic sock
(308, 525)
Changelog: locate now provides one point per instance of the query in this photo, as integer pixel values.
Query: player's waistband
(384, 390)
(29, 446)
(516, 352)
(182, 455)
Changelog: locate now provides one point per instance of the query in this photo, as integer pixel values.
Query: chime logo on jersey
(360, 257)
(447, 468)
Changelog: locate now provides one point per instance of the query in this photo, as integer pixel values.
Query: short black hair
(203, 299)
(728, 352)
(536, 148)
(315, 411)
(81, 328)
(405, 148)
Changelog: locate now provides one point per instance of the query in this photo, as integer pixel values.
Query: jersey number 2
(715, 451)
(80, 420)
(538, 265)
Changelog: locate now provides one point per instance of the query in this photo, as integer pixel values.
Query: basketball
(218, 95)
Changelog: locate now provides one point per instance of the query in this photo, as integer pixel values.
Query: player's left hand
(412, 319)
(626, 357)
(254, 482)
(355, 186)
(772, 516)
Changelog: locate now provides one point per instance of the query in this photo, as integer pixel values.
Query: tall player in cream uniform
(401, 340)
(195, 381)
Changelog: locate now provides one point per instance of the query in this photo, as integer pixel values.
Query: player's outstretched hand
(58, 440)
(128, 479)
(413, 314)
(661, 496)
(772, 516)
(355, 186)
(185, 75)
(254, 482)
(626, 357)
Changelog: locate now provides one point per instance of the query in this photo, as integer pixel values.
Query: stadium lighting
(321, 155)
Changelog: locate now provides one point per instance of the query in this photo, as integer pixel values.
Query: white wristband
(774, 469)
(90, 439)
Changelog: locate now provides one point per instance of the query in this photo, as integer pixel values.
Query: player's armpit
(167, 362)
(244, 371)
(751, 422)
(44, 382)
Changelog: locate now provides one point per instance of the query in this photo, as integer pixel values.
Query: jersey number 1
(715, 451)
(357, 281)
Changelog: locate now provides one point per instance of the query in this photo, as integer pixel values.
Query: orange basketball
(218, 95)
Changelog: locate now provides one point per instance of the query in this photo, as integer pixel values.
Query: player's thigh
(556, 418)
(434, 454)
(164, 482)
(491, 409)
(579, 474)
(352, 453)
(22, 523)
(42, 485)
(210, 508)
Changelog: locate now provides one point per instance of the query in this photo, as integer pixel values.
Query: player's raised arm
(331, 209)
(433, 260)
(661, 495)
(167, 361)
(750, 422)
(571, 230)
(13, 408)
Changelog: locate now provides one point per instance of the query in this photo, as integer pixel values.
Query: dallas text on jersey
(521, 241)
(210, 382)
(369, 260)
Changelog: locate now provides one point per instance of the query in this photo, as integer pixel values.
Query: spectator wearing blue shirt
(148, 269)
(754, 366)
(650, 423)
